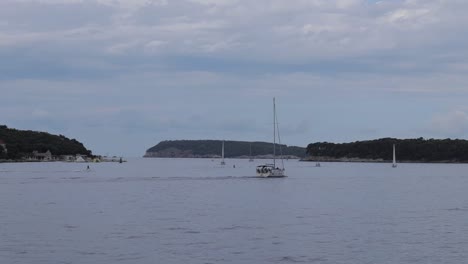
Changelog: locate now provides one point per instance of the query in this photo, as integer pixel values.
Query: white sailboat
(394, 165)
(251, 158)
(272, 170)
(222, 155)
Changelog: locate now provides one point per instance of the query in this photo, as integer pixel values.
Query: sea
(178, 211)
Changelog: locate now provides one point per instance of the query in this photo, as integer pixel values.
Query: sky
(122, 75)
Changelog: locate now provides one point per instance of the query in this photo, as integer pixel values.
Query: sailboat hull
(269, 171)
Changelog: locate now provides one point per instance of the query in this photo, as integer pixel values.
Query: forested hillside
(212, 148)
(411, 150)
(21, 143)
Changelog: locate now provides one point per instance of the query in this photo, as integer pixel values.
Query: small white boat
(272, 170)
(222, 155)
(394, 165)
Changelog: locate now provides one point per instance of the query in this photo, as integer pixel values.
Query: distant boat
(271, 170)
(251, 158)
(394, 165)
(222, 155)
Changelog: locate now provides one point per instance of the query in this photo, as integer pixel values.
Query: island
(26, 145)
(212, 149)
(381, 150)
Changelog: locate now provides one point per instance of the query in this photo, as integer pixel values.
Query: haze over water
(196, 211)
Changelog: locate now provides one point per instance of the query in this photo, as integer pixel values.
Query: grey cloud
(320, 36)
(37, 16)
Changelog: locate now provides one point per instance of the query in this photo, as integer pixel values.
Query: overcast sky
(122, 75)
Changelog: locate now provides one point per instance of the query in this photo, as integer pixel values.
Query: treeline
(231, 148)
(21, 143)
(416, 150)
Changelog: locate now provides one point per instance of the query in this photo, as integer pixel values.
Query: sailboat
(394, 165)
(251, 159)
(271, 170)
(222, 155)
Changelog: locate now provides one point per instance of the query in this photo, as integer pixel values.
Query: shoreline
(219, 157)
(359, 160)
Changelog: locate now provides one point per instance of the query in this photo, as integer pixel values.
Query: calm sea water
(195, 211)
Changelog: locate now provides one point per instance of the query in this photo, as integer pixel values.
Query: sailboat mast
(279, 142)
(274, 133)
(222, 152)
(394, 157)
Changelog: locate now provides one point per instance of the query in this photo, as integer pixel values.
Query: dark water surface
(195, 211)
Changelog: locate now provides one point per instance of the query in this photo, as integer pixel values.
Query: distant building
(46, 156)
(69, 158)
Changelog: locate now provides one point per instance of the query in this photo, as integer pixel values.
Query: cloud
(302, 30)
(271, 32)
(154, 46)
(149, 70)
(215, 2)
(121, 48)
(453, 124)
(407, 15)
(40, 113)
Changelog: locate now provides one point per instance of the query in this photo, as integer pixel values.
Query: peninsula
(212, 149)
(27, 145)
(380, 150)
